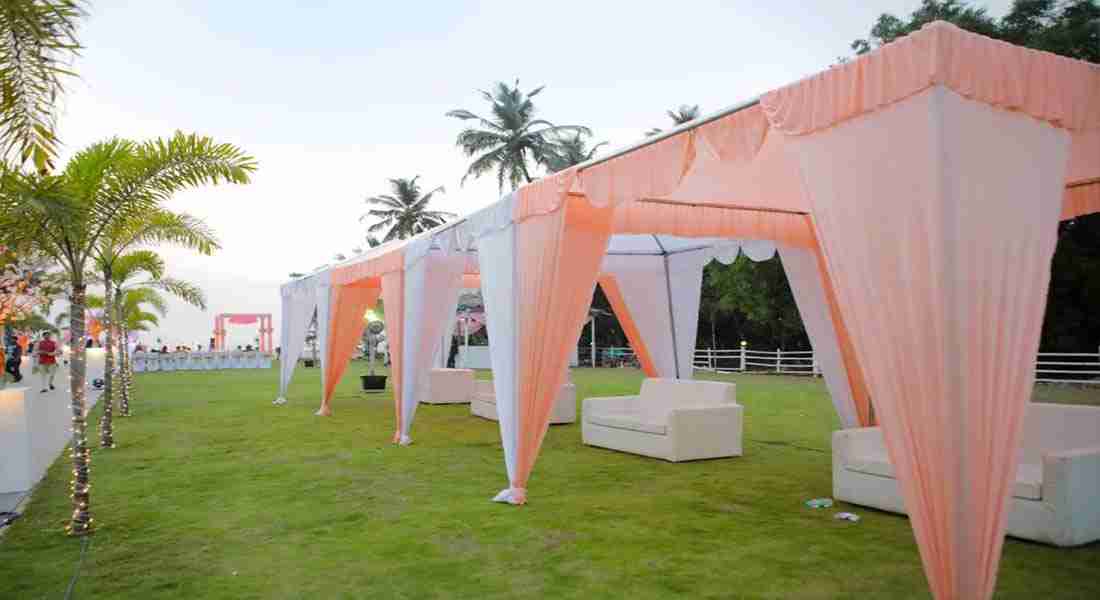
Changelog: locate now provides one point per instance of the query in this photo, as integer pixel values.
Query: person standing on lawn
(47, 353)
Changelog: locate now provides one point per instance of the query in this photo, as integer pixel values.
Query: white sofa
(1056, 495)
(484, 403)
(448, 386)
(673, 419)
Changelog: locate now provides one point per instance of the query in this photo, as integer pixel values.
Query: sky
(334, 98)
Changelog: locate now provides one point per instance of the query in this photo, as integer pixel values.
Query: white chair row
(146, 362)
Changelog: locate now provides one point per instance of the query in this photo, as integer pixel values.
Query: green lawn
(215, 493)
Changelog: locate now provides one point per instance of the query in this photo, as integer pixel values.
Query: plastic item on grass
(846, 516)
(820, 503)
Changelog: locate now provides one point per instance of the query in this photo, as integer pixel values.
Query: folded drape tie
(513, 495)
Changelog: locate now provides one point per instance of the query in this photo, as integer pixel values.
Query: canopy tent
(929, 259)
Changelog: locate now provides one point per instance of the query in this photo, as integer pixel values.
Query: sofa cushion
(1028, 484)
(659, 397)
(872, 465)
(627, 421)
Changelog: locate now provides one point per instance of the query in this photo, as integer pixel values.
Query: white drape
(662, 295)
(496, 243)
(433, 277)
(299, 305)
(809, 295)
(324, 309)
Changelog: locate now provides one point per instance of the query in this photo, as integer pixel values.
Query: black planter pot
(373, 383)
(307, 362)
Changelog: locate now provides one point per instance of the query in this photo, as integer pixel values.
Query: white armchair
(673, 419)
(1054, 496)
(484, 403)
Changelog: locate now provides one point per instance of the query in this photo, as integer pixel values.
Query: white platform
(35, 427)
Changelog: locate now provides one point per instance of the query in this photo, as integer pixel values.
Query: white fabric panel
(299, 304)
(809, 295)
(496, 259)
(432, 284)
(758, 250)
(685, 273)
(324, 309)
(644, 288)
(662, 294)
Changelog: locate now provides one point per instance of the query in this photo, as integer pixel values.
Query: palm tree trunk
(106, 428)
(81, 522)
(523, 167)
(127, 375)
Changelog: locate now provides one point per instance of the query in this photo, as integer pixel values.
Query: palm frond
(38, 39)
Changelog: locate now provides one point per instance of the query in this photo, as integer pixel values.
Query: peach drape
(939, 251)
(349, 302)
(393, 302)
(558, 255)
(610, 287)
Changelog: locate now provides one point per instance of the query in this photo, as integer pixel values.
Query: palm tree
(404, 212)
(510, 137)
(37, 40)
(66, 216)
(571, 151)
(128, 301)
(679, 116)
(124, 283)
(114, 265)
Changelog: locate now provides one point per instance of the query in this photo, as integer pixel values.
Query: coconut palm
(510, 137)
(114, 265)
(679, 116)
(404, 212)
(37, 40)
(66, 216)
(571, 150)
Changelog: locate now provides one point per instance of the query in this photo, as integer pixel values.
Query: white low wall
(35, 427)
(478, 358)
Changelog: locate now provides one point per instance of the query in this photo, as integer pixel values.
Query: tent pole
(671, 319)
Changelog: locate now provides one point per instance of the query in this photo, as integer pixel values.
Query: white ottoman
(484, 404)
(449, 386)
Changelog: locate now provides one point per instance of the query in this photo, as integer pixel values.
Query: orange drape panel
(558, 257)
(939, 252)
(861, 398)
(471, 281)
(618, 304)
(349, 304)
(393, 300)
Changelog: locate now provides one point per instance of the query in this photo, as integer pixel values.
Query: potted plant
(311, 339)
(373, 334)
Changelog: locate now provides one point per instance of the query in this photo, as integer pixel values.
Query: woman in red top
(47, 353)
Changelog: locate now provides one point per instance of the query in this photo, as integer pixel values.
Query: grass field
(215, 493)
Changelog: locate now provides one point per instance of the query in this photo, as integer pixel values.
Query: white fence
(736, 360)
(1050, 367)
(1068, 367)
